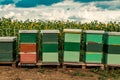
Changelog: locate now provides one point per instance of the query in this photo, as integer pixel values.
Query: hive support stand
(65, 64)
(12, 63)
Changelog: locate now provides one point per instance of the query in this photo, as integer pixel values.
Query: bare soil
(46, 73)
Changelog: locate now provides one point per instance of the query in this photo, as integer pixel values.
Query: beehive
(28, 36)
(28, 46)
(112, 48)
(50, 46)
(93, 46)
(72, 42)
(7, 49)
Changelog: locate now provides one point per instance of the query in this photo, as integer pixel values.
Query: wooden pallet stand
(51, 64)
(39, 64)
(65, 64)
(26, 64)
(13, 64)
(112, 65)
(95, 65)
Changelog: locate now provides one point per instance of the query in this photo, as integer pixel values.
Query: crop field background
(9, 27)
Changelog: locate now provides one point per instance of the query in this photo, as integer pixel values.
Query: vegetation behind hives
(9, 27)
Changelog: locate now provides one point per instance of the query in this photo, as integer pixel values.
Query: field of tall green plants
(9, 27)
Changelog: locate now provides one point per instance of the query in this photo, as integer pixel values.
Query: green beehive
(112, 48)
(72, 42)
(50, 46)
(28, 36)
(93, 46)
(47, 47)
(7, 49)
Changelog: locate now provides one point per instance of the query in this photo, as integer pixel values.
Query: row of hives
(89, 47)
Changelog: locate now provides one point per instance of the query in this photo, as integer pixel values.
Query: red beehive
(27, 47)
(28, 57)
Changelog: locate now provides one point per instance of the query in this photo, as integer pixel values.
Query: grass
(108, 74)
(77, 73)
(41, 70)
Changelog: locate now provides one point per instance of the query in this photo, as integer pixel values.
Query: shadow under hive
(112, 48)
(28, 46)
(7, 49)
(93, 46)
(50, 46)
(72, 39)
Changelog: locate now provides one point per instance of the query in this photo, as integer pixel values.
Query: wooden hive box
(28, 57)
(7, 49)
(28, 36)
(112, 48)
(72, 42)
(50, 46)
(93, 46)
(28, 46)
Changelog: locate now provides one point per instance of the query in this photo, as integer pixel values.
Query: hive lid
(73, 30)
(94, 31)
(7, 39)
(113, 33)
(49, 31)
(28, 31)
